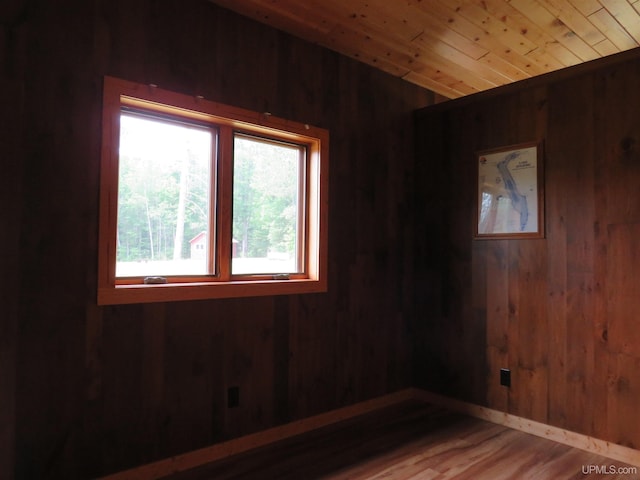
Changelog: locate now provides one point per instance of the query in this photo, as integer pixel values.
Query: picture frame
(510, 192)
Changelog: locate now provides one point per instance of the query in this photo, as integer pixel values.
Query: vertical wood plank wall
(93, 390)
(561, 313)
(10, 219)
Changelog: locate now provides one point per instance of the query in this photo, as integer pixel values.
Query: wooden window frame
(228, 120)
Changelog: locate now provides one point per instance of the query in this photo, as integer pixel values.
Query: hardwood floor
(414, 441)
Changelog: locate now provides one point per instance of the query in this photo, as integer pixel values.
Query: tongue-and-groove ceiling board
(457, 47)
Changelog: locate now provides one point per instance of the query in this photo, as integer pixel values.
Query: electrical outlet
(233, 397)
(505, 377)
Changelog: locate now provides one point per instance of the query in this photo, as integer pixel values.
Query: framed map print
(510, 197)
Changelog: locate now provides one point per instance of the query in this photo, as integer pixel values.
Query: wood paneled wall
(10, 219)
(561, 313)
(95, 390)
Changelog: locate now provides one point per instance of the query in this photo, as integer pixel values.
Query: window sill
(172, 292)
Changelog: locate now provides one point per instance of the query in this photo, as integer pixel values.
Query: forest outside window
(202, 200)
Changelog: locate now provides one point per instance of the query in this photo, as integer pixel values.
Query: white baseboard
(610, 450)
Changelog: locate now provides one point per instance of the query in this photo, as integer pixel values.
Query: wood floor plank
(414, 441)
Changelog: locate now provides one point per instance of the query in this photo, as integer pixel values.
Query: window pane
(163, 197)
(267, 206)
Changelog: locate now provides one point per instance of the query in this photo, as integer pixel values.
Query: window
(202, 200)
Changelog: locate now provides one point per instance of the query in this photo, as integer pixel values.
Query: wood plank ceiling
(457, 47)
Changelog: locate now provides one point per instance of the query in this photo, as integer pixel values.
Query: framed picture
(510, 196)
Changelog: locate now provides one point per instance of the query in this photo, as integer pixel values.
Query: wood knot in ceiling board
(558, 23)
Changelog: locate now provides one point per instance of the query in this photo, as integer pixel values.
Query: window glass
(268, 206)
(164, 191)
